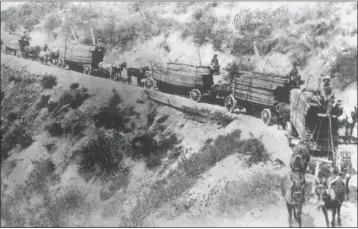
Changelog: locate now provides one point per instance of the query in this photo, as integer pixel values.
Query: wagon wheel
(18, 53)
(195, 95)
(266, 116)
(149, 83)
(230, 103)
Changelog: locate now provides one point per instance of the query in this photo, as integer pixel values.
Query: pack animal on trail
(293, 191)
(326, 202)
(300, 158)
(44, 55)
(32, 52)
(283, 111)
(137, 72)
(54, 57)
(117, 70)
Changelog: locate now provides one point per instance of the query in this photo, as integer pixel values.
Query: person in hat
(294, 77)
(215, 64)
(327, 94)
(331, 180)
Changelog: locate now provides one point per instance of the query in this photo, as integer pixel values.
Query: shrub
(43, 172)
(55, 129)
(17, 136)
(256, 151)
(74, 86)
(101, 156)
(48, 81)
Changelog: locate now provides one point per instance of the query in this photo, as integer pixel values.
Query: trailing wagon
(181, 78)
(258, 91)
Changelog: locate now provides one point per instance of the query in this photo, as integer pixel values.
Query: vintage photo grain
(178, 114)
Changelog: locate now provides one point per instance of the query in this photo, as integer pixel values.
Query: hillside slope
(50, 159)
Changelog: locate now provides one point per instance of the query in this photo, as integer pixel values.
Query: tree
(52, 22)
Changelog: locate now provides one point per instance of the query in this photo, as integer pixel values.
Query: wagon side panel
(80, 54)
(12, 42)
(256, 88)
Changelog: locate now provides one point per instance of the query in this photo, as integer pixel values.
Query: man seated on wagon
(327, 94)
(100, 45)
(26, 36)
(214, 65)
(294, 77)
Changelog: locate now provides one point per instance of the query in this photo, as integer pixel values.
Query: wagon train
(196, 81)
(258, 91)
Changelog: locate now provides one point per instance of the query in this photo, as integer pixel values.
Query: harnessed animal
(326, 201)
(117, 70)
(300, 158)
(32, 51)
(44, 55)
(283, 111)
(293, 190)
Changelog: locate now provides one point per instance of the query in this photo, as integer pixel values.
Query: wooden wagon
(258, 91)
(13, 43)
(181, 78)
(82, 58)
(310, 124)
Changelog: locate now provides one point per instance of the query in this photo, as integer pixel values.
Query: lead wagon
(181, 78)
(13, 43)
(258, 91)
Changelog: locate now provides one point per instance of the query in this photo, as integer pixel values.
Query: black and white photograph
(179, 114)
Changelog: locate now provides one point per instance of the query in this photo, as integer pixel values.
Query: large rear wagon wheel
(230, 103)
(266, 116)
(18, 53)
(149, 83)
(195, 95)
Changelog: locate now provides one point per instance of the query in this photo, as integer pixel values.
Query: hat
(215, 55)
(326, 78)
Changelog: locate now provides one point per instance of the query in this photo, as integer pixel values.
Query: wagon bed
(181, 78)
(258, 88)
(311, 124)
(77, 53)
(12, 42)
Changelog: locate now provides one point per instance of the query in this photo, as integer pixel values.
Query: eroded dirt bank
(86, 151)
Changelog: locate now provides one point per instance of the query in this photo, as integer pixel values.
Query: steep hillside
(82, 151)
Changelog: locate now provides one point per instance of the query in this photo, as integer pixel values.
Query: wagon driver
(294, 77)
(327, 94)
(215, 67)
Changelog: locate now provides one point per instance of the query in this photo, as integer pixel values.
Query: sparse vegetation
(74, 86)
(101, 157)
(243, 194)
(55, 129)
(48, 81)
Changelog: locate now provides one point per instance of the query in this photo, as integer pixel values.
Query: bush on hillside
(102, 156)
(48, 81)
(255, 150)
(19, 135)
(74, 86)
(55, 129)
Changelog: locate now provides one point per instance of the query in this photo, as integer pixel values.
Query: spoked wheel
(149, 83)
(266, 116)
(195, 95)
(18, 53)
(230, 103)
